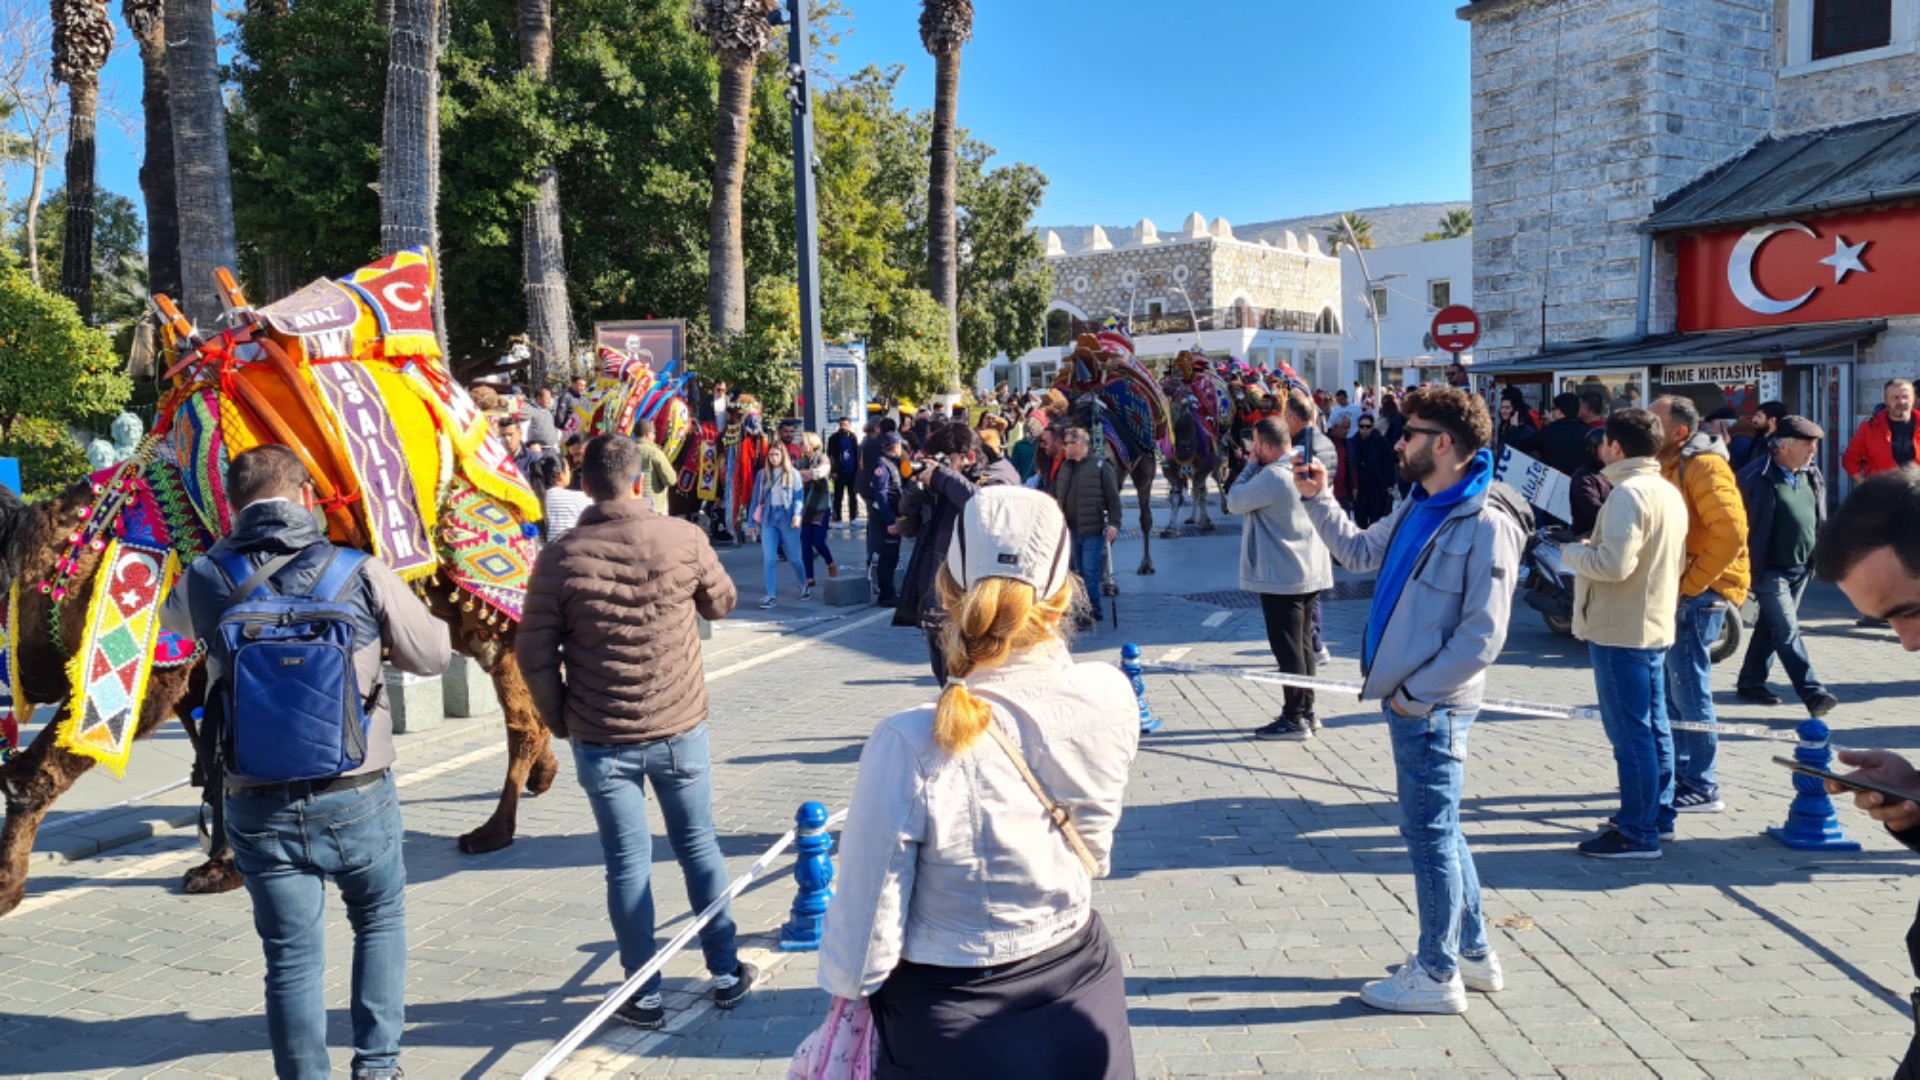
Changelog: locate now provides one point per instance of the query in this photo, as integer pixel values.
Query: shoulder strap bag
(1058, 812)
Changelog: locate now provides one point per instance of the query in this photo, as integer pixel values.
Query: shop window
(1850, 26)
(1439, 293)
(1309, 367)
(1620, 389)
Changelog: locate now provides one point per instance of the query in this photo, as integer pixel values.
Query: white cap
(1011, 532)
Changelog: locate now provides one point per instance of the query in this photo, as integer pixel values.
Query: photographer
(941, 487)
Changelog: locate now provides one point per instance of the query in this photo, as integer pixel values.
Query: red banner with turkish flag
(1802, 270)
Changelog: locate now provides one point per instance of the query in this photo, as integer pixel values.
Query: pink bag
(842, 1048)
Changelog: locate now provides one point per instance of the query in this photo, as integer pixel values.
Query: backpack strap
(245, 579)
(337, 574)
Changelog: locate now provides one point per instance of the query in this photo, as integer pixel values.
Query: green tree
(59, 372)
(119, 252)
(1362, 230)
(762, 360)
(1453, 225)
(913, 355)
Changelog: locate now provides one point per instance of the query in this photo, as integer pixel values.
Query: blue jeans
(1778, 593)
(1690, 690)
(775, 534)
(1089, 560)
(615, 779)
(1429, 760)
(287, 849)
(1633, 708)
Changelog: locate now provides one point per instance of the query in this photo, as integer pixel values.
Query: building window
(1156, 309)
(1059, 327)
(1439, 293)
(1380, 301)
(1850, 26)
(1327, 323)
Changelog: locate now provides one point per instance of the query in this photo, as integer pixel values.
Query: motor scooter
(1549, 590)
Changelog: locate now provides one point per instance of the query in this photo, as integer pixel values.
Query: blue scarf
(1417, 526)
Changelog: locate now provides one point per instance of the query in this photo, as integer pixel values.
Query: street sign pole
(813, 382)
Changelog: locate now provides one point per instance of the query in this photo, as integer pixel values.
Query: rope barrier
(620, 994)
(1501, 705)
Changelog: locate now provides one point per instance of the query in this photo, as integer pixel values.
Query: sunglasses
(1406, 433)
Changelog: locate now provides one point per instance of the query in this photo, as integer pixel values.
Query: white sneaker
(1483, 974)
(1323, 657)
(1412, 990)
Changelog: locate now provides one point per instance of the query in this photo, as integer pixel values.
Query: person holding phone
(1446, 557)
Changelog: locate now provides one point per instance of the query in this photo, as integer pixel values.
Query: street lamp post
(805, 213)
(1373, 311)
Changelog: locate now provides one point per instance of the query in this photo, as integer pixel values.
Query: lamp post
(805, 213)
(1373, 312)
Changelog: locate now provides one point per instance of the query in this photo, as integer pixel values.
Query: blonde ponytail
(985, 626)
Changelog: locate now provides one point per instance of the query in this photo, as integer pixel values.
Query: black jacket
(1756, 490)
(919, 600)
(1562, 445)
(843, 449)
(1371, 460)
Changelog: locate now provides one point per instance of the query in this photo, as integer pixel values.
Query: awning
(1767, 344)
(1863, 164)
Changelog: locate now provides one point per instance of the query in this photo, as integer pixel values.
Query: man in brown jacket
(611, 654)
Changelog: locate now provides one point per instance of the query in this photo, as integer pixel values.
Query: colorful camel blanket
(10, 705)
(111, 669)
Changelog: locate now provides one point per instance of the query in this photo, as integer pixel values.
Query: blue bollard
(1130, 665)
(814, 874)
(1812, 824)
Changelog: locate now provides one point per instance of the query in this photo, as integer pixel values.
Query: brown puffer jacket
(613, 600)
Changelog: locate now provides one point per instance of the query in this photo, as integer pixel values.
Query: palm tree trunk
(726, 261)
(549, 319)
(76, 251)
(156, 166)
(942, 246)
(410, 138)
(204, 187)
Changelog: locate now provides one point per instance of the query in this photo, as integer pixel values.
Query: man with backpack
(306, 744)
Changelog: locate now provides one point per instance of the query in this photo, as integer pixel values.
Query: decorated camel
(1195, 453)
(348, 375)
(1112, 395)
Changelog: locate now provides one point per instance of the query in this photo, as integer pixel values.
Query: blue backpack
(292, 698)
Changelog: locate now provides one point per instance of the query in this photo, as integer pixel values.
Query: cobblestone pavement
(1256, 885)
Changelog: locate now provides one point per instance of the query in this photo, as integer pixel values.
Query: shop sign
(1719, 374)
(1807, 270)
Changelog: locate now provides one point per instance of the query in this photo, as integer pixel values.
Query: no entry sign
(1456, 328)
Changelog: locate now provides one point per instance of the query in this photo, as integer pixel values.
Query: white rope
(1500, 705)
(620, 994)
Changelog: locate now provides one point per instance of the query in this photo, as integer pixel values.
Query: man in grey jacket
(1447, 558)
(1286, 564)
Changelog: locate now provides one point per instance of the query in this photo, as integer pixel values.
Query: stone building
(1257, 301)
(1656, 186)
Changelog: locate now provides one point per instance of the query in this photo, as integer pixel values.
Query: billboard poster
(659, 343)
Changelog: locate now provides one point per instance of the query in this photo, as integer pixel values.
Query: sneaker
(730, 990)
(807, 593)
(1613, 845)
(1820, 703)
(1692, 802)
(1284, 727)
(766, 602)
(1759, 695)
(1323, 657)
(1313, 722)
(1412, 990)
(644, 1011)
(1666, 834)
(1483, 974)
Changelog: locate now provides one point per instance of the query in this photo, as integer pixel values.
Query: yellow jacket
(1626, 588)
(1716, 520)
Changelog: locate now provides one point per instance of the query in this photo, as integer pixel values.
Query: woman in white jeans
(963, 911)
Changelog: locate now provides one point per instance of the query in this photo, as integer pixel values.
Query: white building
(1407, 285)
(1261, 302)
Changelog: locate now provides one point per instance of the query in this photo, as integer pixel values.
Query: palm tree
(1350, 222)
(82, 38)
(549, 319)
(146, 19)
(739, 32)
(203, 187)
(1456, 223)
(945, 27)
(410, 139)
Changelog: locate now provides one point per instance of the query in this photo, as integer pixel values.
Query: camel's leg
(1143, 486)
(1200, 479)
(43, 772)
(530, 763)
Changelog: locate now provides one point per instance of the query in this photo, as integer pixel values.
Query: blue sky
(1248, 109)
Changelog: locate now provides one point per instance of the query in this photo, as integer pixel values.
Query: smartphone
(1300, 455)
(1852, 783)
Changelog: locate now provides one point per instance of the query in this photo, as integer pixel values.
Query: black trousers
(1290, 636)
(936, 653)
(843, 488)
(886, 550)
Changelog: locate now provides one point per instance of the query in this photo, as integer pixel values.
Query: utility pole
(813, 415)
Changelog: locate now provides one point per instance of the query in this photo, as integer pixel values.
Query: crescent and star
(1844, 260)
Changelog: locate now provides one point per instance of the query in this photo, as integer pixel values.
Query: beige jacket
(1627, 575)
